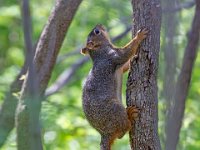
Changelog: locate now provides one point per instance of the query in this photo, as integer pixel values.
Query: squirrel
(102, 89)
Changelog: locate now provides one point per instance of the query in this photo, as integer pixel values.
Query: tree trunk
(39, 72)
(7, 111)
(182, 86)
(8, 108)
(142, 80)
(170, 26)
(170, 22)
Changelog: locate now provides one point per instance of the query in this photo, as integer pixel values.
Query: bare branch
(185, 5)
(27, 27)
(183, 82)
(52, 37)
(68, 54)
(120, 36)
(32, 89)
(65, 77)
(7, 111)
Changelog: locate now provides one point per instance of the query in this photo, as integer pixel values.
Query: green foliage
(63, 123)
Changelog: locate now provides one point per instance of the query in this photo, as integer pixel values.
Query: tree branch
(65, 77)
(27, 29)
(183, 82)
(52, 37)
(185, 5)
(7, 111)
(68, 54)
(120, 36)
(32, 88)
(28, 111)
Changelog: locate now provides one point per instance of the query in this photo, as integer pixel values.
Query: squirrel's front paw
(132, 112)
(142, 33)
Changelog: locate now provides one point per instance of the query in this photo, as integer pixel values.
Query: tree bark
(183, 82)
(142, 79)
(38, 75)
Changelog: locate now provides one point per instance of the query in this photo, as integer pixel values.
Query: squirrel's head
(98, 37)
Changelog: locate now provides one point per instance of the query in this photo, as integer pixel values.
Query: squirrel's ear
(84, 51)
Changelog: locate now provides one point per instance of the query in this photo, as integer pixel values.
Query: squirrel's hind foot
(132, 112)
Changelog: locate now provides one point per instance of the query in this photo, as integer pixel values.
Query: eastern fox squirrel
(102, 89)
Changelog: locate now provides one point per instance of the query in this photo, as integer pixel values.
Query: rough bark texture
(142, 83)
(183, 82)
(27, 119)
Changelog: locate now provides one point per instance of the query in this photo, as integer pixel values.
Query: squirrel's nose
(89, 40)
(90, 44)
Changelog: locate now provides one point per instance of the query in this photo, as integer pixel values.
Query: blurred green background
(64, 126)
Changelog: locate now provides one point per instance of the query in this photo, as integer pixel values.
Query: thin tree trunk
(179, 7)
(28, 111)
(7, 111)
(8, 108)
(183, 82)
(170, 25)
(142, 80)
(170, 22)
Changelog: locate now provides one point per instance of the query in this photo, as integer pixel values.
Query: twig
(69, 54)
(65, 77)
(120, 36)
(185, 5)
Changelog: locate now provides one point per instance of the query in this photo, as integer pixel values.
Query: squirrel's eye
(96, 31)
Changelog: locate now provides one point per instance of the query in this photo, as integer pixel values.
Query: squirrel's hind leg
(106, 142)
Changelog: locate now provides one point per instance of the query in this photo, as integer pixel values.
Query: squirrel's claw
(142, 33)
(132, 112)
